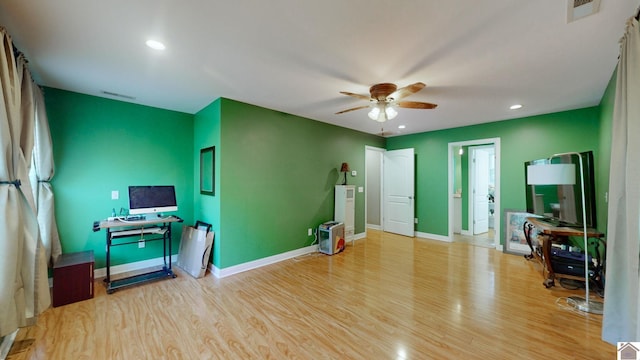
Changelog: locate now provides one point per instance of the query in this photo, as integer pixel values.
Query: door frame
(489, 141)
(367, 188)
(471, 186)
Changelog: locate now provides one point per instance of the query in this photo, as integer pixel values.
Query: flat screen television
(561, 205)
(152, 199)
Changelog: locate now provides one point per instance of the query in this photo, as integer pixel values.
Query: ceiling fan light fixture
(374, 114)
(382, 113)
(390, 112)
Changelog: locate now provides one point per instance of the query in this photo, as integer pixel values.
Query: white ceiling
(476, 57)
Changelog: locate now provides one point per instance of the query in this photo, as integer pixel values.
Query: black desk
(119, 232)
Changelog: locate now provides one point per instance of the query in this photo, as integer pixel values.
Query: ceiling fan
(385, 98)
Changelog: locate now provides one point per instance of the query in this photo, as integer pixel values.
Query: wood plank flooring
(387, 297)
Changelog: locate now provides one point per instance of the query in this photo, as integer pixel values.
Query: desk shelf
(549, 235)
(117, 233)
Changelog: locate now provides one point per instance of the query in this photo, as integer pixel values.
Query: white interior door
(398, 191)
(480, 166)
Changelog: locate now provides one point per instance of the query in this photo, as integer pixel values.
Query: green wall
(100, 145)
(207, 207)
(274, 172)
(277, 178)
(604, 160)
(520, 140)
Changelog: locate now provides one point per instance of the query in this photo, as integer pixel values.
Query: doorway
(474, 188)
(373, 187)
(390, 189)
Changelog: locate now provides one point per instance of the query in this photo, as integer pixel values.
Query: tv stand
(549, 234)
(119, 232)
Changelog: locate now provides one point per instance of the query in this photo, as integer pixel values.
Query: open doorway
(373, 187)
(390, 190)
(474, 188)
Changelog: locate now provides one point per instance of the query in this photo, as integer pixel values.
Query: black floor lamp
(565, 174)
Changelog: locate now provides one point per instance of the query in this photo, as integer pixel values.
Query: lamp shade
(551, 174)
(382, 112)
(344, 167)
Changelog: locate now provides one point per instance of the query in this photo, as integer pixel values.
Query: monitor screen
(152, 199)
(562, 204)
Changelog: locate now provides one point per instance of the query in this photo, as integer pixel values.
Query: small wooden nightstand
(73, 278)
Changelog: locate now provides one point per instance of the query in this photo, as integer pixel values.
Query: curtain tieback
(16, 183)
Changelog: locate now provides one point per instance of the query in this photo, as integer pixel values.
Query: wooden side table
(73, 278)
(549, 234)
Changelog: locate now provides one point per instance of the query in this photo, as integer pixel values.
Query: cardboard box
(195, 247)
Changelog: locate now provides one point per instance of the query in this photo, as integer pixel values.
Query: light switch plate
(115, 195)
(354, 173)
(360, 189)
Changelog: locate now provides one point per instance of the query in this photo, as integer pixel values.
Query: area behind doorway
(474, 188)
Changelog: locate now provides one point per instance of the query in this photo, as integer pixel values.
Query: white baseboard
(138, 265)
(359, 236)
(236, 269)
(374, 227)
(466, 232)
(433, 236)
(5, 344)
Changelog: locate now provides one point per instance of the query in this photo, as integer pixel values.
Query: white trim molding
(5, 344)
(236, 269)
(433, 236)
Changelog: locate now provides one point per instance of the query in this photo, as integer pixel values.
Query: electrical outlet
(141, 244)
(309, 232)
(415, 220)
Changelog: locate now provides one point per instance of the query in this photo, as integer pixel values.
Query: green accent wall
(207, 132)
(521, 140)
(100, 145)
(274, 172)
(604, 160)
(277, 178)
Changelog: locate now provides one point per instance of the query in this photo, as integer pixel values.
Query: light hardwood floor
(387, 297)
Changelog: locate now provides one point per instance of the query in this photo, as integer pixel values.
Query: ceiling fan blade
(416, 105)
(352, 109)
(362, 97)
(405, 91)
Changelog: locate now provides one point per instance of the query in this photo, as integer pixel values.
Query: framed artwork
(207, 170)
(514, 241)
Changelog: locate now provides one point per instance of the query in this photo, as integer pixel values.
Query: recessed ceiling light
(401, 126)
(515, 107)
(156, 45)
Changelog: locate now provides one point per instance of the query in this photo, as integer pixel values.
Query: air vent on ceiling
(577, 9)
(129, 97)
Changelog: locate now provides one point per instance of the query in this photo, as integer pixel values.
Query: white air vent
(118, 95)
(577, 9)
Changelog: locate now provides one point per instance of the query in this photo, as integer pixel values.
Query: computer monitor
(152, 199)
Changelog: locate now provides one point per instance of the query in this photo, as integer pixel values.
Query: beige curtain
(24, 290)
(42, 170)
(621, 321)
